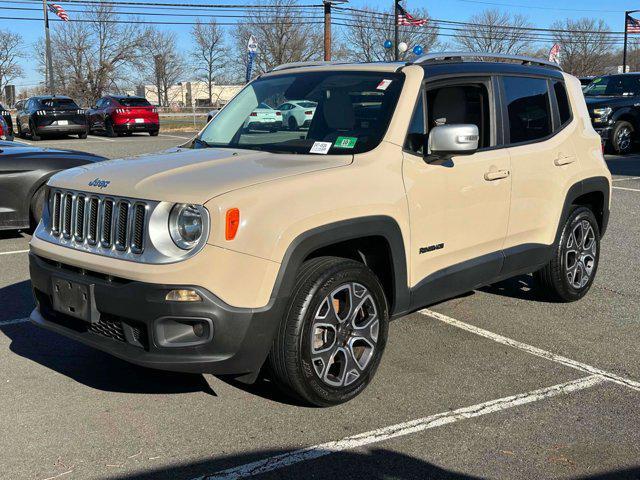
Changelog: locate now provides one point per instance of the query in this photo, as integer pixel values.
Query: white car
(264, 118)
(297, 114)
(212, 113)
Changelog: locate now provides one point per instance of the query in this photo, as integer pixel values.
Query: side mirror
(447, 141)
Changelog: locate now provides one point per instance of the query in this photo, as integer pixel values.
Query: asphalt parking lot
(498, 383)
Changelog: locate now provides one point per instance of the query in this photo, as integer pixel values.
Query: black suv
(51, 115)
(614, 107)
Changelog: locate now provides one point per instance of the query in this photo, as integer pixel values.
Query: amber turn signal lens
(232, 224)
(183, 295)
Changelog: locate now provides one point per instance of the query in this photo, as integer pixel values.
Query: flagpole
(395, 30)
(624, 51)
(48, 60)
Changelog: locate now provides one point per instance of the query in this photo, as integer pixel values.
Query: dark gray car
(24, 172)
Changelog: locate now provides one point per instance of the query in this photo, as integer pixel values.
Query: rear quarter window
(562, 99)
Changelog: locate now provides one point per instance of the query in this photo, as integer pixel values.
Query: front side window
(311, 112)
(528, 108)
(416, 133)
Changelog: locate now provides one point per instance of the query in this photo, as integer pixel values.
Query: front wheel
(330, 343)
(570, 273)
(622, 137)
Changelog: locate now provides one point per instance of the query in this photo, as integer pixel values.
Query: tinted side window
(416, 132)
(528, 108)
(563, 102)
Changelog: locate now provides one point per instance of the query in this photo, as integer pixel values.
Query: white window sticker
(321, 148)
(384, 84)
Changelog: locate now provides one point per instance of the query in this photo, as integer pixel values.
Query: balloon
(418, 50)
(402, 47)
(388, 44)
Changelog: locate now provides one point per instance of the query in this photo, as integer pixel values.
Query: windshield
(59, 104)
(616, 85)
(312, 112)
(134, 102)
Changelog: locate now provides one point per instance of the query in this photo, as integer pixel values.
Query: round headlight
(185, 225)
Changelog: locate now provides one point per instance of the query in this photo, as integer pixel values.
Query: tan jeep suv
(292, 249)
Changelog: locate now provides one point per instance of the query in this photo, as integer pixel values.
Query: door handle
(493, 175)
(564, 160)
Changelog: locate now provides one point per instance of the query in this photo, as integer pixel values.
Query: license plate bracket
(74, 299)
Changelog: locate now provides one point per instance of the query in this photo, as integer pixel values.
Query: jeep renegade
(292, 249)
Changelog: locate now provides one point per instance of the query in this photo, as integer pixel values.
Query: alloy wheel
(344, 335)
(580, 255)
(624, 139)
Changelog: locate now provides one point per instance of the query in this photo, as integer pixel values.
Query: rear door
(540, 128)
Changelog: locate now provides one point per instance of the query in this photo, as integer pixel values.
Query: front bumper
(604, 132)
(131, 318)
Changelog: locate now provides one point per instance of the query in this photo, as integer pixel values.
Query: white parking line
(175, 136)
(402, 429)
(24, 142)
(15, 321)
(627, 189)
(101, 138)
(625, 179)
(14, 252)
(538, 352)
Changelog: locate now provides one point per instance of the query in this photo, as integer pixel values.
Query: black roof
(449, 67)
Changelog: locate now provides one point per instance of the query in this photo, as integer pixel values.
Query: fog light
(199, 329)
(183, 295)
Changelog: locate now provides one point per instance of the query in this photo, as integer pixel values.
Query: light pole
(327, 26)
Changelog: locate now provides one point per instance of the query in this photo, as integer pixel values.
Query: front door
(459, 208)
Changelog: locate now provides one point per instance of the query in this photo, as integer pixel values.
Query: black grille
(55, 218)
(79, 223)
(122, 226)
(66, 221)
(109, 327)
(92, 224)
(137, 236)
(107, 216)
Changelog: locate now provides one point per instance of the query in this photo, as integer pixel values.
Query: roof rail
(317, 63)
(483, 56)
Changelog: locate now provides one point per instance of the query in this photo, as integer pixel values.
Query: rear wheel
(293, 124)
(20, 133)
(82, 135)
(570, 273)
(108, 128)
(622, 138)
(154, 133)
(33, 132)
(332, 338)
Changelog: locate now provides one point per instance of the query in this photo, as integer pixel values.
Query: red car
(123, 115)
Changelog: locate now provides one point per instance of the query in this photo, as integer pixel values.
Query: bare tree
(496, 32)
(367, 31)
(91, 58)
(10, 54)
(281, 36)
(165, 66)
(585, 45)
(208, 53)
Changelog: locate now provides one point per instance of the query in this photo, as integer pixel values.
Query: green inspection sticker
(345, 142)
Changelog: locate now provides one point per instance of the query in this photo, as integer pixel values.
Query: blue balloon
(418, 50)
(388, 44)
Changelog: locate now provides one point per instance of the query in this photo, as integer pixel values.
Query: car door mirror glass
(446, 141)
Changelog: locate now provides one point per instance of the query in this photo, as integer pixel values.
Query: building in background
(190, 94)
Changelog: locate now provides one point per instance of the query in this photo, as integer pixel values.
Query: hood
(603, 102)
(15, 149)
(190, 175)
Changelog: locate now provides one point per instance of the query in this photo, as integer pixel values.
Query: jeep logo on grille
(99, 183)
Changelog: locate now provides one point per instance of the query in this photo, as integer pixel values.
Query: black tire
(33, 132)
(20, 133)
(290, 361)
(622, 138)
(154, 133)
(36, 205)
(555, 277)
(82, 135)
(128, 134)
(108, 128)
(293, 124)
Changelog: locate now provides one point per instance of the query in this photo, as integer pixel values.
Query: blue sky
(541, 13)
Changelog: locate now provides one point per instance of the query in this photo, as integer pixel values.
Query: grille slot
(105, 223)
(66, 217)
(122, 225)
(55, 217)
(92, 221)
(79, 218)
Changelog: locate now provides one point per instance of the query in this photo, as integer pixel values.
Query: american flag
(554, 53)
(59, 11)
(407, 20)
(633, 25)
